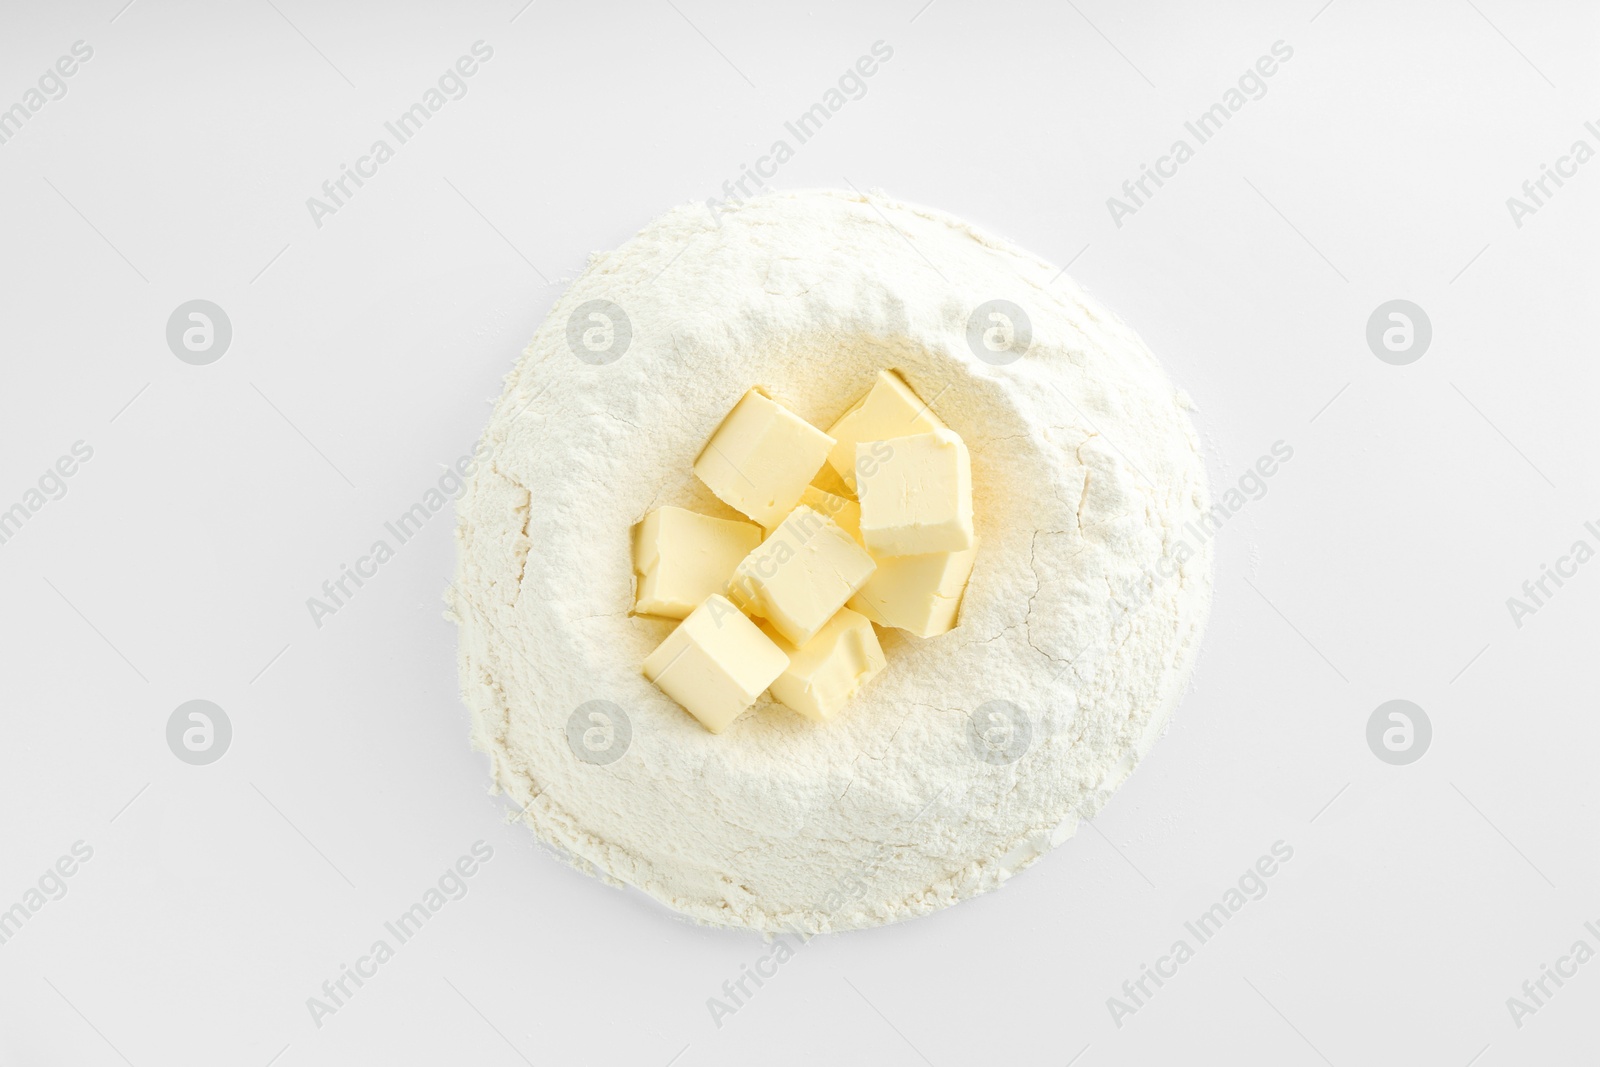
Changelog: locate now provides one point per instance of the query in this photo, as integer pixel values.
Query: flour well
(974, 752)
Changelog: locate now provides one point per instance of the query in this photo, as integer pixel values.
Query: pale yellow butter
(827, 670)
(890, 409)
(761, 458)
(842, 510)
(919, 594)
(681, 557)
(828, 481)
(916, 494)
(801, 574)
(716, 663)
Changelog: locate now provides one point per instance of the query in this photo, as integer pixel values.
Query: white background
(365, 351)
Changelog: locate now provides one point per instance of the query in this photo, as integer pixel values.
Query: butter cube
(800, 575)
(826, 672)
(890, 409)
(842, 510)
(716, 663)
(916, 494)
(681, 557)
(762, 457)
(920, 594)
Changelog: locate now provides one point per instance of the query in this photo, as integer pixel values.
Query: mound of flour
(973, 753)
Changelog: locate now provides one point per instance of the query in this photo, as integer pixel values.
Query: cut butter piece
(716, 663)
(916, 494)
(842, 510)
(827, 670)
(800, 575)
(681, 557)
(919, 594)
(889, 409)
(761, 458)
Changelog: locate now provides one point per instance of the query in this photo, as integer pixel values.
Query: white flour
(1085, 467)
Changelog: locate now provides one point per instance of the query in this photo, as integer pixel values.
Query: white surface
(192, 539)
